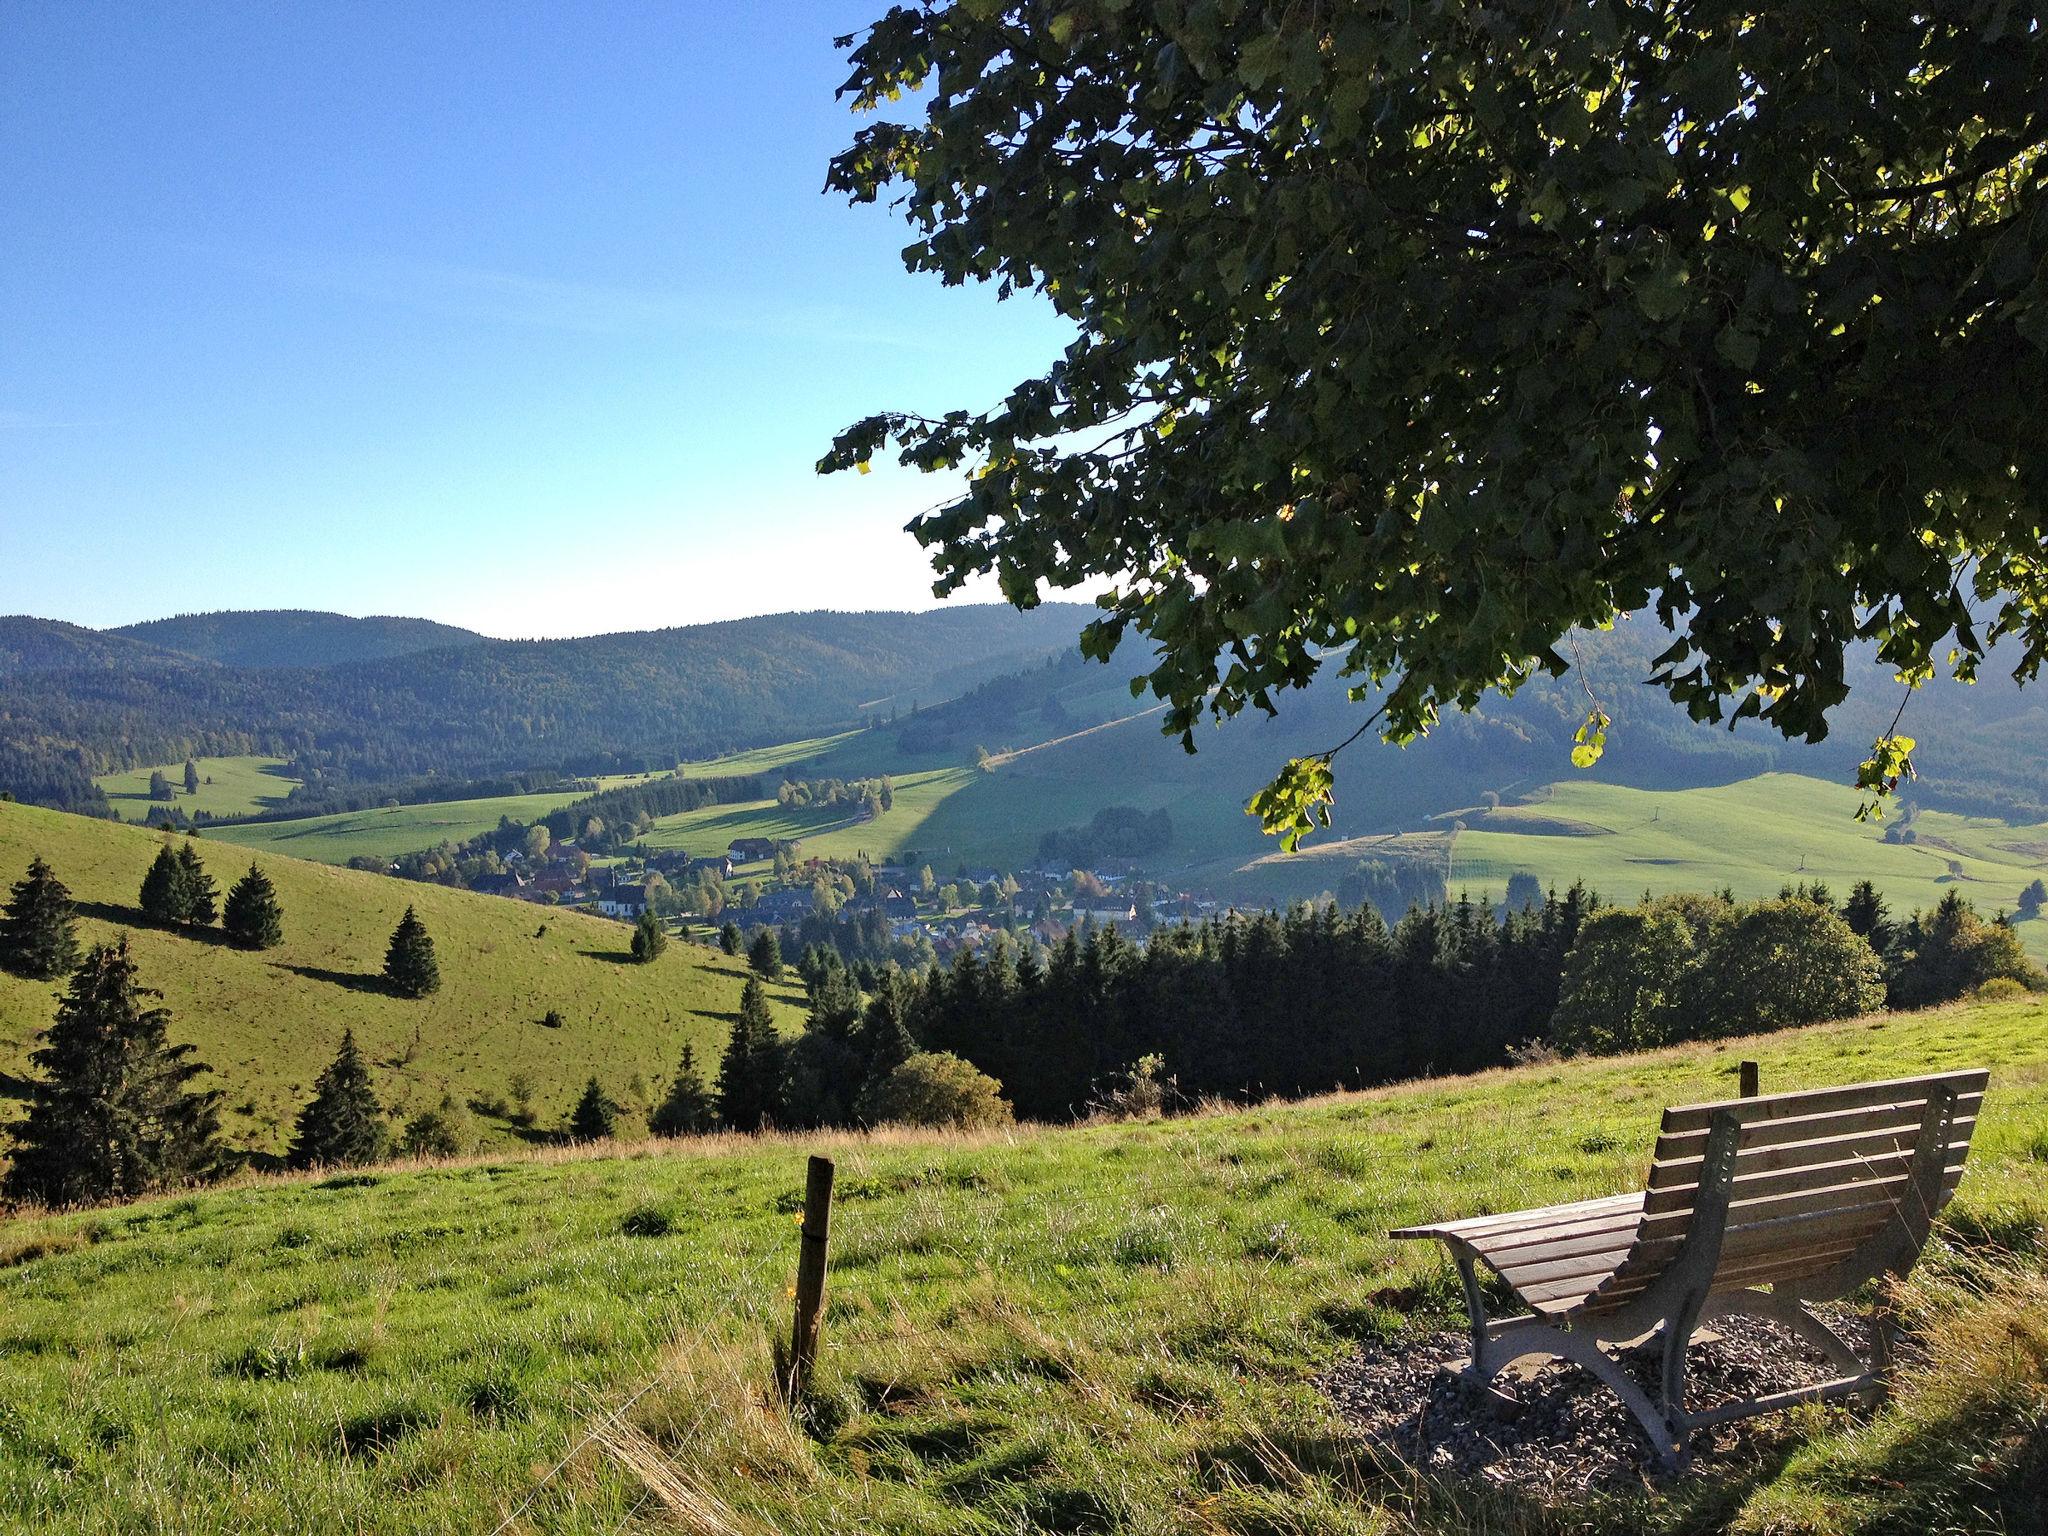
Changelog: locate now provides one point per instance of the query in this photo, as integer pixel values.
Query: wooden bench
(1753, 1206)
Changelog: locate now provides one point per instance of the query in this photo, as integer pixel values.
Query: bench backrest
(1817, 1177)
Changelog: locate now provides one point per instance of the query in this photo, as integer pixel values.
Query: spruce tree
(191, 777)
(765, 954)
(409, 963)
(163, 890)
(112, 1116)
(729, 938)
(748, 1074)
(342, 1123)
(688, 1110)
(649, 938)
(159, 786)
(37, 939)
(595, 1117)
(252, 917)
(200, 900)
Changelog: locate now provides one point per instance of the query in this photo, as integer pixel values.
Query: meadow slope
(268, 1022)
(1110, 1328)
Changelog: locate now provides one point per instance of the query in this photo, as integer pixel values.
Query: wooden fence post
(1748, 1071)
(810, 1279)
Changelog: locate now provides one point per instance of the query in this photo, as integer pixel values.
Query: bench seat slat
(1474, 1227)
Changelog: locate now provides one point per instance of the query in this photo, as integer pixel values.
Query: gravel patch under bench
(1566, 1432)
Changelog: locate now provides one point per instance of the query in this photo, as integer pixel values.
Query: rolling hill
(640, 699)
(1117, 1328)
(292, 637)
(268, 1022)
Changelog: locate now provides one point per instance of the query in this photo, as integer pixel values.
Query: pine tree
(729, 938)
(595, 1117)
(764, 955)
(252, 917)
(688, 1110)
(201, 899)
(409, 963)
(112, 1116)
(37, 938)
(649, 938)
(163, 890)
(748, 1073)
(159, 786)
(191, 777)
(342, 1123)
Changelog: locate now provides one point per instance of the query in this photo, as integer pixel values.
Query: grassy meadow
(1753, 836)
(228, 786)
(1110, 1328)
(268, 1022)
(385, 832)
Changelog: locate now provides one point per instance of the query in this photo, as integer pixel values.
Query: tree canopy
(1414, 340)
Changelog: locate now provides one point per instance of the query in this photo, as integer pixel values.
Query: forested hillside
(492, 706)
(294, 637)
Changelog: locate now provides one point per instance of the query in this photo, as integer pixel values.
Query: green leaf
(1297, 801)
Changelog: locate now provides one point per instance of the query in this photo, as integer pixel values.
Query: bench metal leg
(1859, 1376)
(1518, 1338)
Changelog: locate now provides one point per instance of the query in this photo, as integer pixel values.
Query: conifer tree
(595, 1117)
(343, 1123)
(649, 938)
(729, 938)
(200, 899)
(688, 1110)
(751, 1067)
(252, 916)
(159, 786)
(765, 954)
(112, 1116)
(163, 890)
(37, 937)
(191, 777)
(409, 962)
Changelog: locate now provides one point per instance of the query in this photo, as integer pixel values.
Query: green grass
(1753, 836)
(385, 832)
(267, 1023)
(1114, 1328)
(240, 786)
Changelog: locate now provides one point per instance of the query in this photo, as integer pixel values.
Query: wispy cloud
(491, 297)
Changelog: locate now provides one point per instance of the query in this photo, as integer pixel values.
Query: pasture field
(1754, 836)
(1115, 1328)
(239, 786)
(267, 1022)
(385, 832)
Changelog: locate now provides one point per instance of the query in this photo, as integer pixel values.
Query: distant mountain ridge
(294, 637)
(74, 701)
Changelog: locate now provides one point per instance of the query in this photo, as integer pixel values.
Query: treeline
(634, 805)
(1116, 833)
(1322, 997)
(59, 777)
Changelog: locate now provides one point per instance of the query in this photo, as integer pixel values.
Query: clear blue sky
(529, 317)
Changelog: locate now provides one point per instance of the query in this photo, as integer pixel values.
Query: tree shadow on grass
(353, 981)
(12, 1087)
(613, 956)
(132, 917)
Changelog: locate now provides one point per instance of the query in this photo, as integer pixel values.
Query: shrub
(2002, 989)
(936, 1088)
